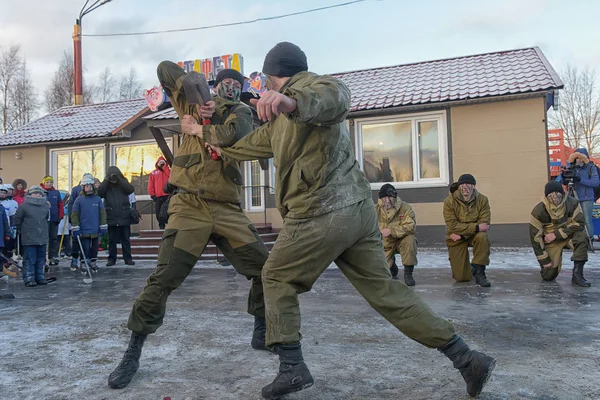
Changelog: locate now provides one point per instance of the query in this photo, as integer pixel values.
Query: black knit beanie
(466, 178)
(387, 190)
(229, 73)
(552, 187)
(285, 60)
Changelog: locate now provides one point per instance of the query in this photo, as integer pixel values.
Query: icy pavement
(61, 341)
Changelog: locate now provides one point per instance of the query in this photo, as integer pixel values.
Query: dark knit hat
(36, 190)
(387, 190)
(285, 60)
(466, 178)
(229, 73)
(552, 187)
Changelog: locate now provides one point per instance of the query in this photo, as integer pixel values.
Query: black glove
(153, 198)
(576, 179)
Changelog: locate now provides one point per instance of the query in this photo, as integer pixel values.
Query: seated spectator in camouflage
(467, 215)
(397, 224)
(558, 222)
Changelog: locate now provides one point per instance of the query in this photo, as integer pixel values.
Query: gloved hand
(103, 230)
(576, 179)
(153, 198)
(76, 231)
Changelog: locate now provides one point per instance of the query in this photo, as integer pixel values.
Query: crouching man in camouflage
(558, 222)
(397, 224)
(328, 216)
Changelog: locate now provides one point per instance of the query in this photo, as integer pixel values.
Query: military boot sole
(301, 380)
(118, 379)
(485, 379)
(290, 390)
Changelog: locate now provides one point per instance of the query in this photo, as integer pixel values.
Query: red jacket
(158, 179)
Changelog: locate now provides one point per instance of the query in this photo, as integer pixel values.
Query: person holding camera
(583, 175)
(467, 215)
(558, 222)
(115, 190)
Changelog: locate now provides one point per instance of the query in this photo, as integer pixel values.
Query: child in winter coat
(20, 191)
(31, 221)
(64, 228)
(89, 221)
(11, 209)
(4, 233)
(56, 214)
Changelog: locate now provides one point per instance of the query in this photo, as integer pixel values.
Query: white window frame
(248, 191)
(113, 156)
(54, 160)
(440, 117)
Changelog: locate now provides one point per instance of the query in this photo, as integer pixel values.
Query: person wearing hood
(11, 207)
(205, 206)
(31, 221)
(57, 211)
(89, 221)
(115, 190)
(328, 216)
(467, 215)
(397, 223)
(558, 222)
(74, 245)
(20, 191)
(584, 180)
(158, 179)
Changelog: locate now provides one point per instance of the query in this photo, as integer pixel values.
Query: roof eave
(131, 121)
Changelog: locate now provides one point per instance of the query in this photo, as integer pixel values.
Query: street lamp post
(78, 68)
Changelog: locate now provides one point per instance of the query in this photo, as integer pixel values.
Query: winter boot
(130, 363)
(110, 263)
(475, 367)
(53, 261)
(74, 264)
(93, 265)
(42, 282)
(30, 284)
(480, 277)
(408, 278)
(394, 269)
(293, 373)
(258, 336)
(578, 279)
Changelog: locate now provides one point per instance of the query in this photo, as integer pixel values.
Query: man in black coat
(115, 191)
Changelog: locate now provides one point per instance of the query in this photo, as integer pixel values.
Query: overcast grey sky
(370, 34)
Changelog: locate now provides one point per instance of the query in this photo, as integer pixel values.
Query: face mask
(555, 198)
(229, 91)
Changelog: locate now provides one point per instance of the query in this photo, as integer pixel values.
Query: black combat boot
(293, 373)
(130, 363)
(408, 278)
(475, 367)
(258, 336)
(480, 277)
(394, 269)
(578, 279)
(473, 270)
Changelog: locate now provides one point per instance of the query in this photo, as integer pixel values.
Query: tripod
(571, 192)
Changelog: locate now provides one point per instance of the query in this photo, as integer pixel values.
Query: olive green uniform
(401, 221)
(462, 218)
(328, 214)
(568, 226)
(205, 208)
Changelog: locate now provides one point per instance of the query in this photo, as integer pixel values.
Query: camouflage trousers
(578, 243)
(406, 246)
(350, 237)
(192, 223)
(458, 254)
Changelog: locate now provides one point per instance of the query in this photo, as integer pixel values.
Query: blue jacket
(4, 228)
(89, 214)
(589, 179)
(74, 194)
(56, 205)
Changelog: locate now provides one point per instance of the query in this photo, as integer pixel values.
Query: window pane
(62, 172)
(429, 149)
(387, 152)
(136, 162)
(84, 161)
(255, 172)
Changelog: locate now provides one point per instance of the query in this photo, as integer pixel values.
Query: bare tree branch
(106, 87)
(131, 87)
(10, 66)
(61, 92)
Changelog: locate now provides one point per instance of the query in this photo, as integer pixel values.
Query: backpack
(597, 188)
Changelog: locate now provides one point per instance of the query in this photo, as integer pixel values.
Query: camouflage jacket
(195, 171)
(462, 218)
(563, 226)
(400, 220)
(316, 170)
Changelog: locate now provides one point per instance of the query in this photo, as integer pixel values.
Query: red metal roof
(77, 122)
(461, 78)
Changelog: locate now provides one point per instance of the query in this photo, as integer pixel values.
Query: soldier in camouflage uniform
(558, 222)
(397, 223)
(206, 207)
(329, 216)
(467, 215)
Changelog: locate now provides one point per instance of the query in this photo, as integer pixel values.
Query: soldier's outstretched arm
(325, 101)
(237, 125)
(254, 146)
